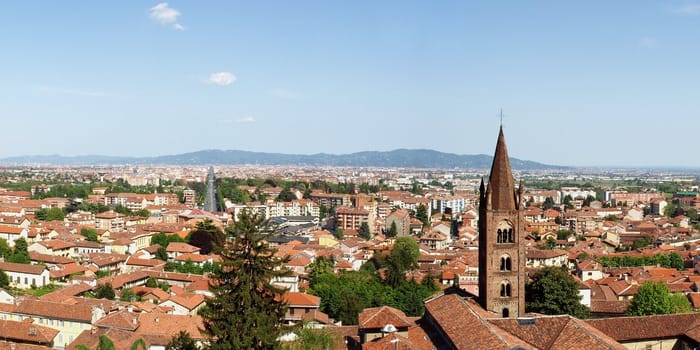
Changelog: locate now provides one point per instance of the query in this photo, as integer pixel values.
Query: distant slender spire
(501, 184)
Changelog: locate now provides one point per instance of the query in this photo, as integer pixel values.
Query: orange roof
(302, 299)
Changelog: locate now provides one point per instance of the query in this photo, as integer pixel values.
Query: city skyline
(594, 84)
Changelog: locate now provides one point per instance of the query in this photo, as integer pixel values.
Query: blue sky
(609, 83)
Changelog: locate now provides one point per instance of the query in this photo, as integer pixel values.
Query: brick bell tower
(501, 239)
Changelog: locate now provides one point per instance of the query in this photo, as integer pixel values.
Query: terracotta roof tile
(27, 332)
(625, 329)
(378, 317)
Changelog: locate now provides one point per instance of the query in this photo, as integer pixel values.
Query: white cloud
(245, 120)
(286, 94)
(647, 43)
(166, 15)
(239, 120)
(221, 78)
(687, 10)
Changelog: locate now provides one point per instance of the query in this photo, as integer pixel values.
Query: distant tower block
(501, 239)
(190, 197)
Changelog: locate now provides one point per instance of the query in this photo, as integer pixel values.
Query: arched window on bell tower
(505, 291)
(506, 264)
(504, 232)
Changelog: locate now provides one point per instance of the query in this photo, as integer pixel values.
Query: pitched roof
(188, 301)
(453, 315)
(645, 327)
(78, 311)
(558, 332)
(22, 268)
(123, 319)
(27, 332)
(302, 299)
(181, 247)
(378, 317)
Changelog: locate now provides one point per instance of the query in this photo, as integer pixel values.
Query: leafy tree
(552, 291)
(5, 250)
(4, 279)
(322, 212)
(245, 311)
(550, 243)
(652, 298)
(20, 255)
(567, 201)
(680, 303)
(692, 214)
(611, 218)
(104, 291)
(671, 210)
(144, 213)
(127, 294)
(94, 208)
(313, 339)
(393, 230)
(207, 237)
(349, 308)
(321, 266)
(164, 239)
(364, 231)
(642, 242)
(416, 188)
(182, 341)
(162, 254)
(51, 214)
(151, 282)
(548, 203)
(339, 233)
(422, 215)
(403, 257)
(286, 195)
(405, 253)
(673, 260)
(123, 210)
(564, 234)
(89, 233)
(104, 343)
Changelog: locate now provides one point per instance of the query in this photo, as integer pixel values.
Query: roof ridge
(580, 327)
(488, 325)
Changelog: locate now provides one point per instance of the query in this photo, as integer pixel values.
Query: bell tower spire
(501, 239)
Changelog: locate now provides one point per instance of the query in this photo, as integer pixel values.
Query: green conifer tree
(247, 310)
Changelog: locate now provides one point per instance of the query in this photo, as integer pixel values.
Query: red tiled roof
(26, 331)
(302, 299)
(180, 247)
(645, 327)
(22, 268)
(378, 317)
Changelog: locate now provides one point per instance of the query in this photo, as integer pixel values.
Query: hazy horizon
(580, 84)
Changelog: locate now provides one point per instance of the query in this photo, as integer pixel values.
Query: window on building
(504, 233)
(505, 289)
(505, 263)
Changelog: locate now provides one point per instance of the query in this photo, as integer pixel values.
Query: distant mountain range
(402, 158)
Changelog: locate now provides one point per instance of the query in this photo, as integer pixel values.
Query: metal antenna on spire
(501, 115)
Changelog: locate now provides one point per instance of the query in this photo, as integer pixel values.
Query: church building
(496, 318)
